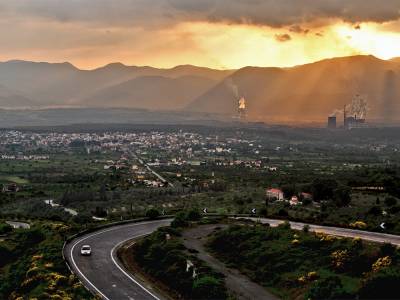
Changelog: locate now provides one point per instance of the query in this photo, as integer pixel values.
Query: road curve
(102, 273)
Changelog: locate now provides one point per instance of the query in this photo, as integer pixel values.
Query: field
(107, 175)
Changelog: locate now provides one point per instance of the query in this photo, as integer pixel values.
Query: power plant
(332, 122)
(354, 114)
(242, 114)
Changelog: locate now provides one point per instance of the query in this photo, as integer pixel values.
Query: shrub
(180, 220)
(390, 201)
(193, 215)
(358, 225)
(152, 214)
(5, 228)
(381, 285)
(208, 287)
(329, 288)
(339, 259)
(381, 263)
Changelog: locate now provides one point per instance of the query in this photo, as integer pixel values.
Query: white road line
(123, 271)
(80, 272)
(97, 233)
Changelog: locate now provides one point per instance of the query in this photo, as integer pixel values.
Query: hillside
(11, 99)
(61, 84)
(151, 92)
(309, 92)
(300, 94)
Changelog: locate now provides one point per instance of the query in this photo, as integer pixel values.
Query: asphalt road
(342, 232)
(102, 273)
(17, 225)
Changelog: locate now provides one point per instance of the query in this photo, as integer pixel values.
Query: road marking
(123, 271)
(79, 271)
(97, 233)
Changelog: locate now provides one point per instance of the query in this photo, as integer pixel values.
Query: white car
(86, 250)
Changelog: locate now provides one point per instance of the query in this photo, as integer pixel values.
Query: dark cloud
(298, 29)
(275, 13)
(283, 37)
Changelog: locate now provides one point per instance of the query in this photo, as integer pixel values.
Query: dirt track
(238, 284)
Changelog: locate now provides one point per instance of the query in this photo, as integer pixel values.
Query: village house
(274, 194)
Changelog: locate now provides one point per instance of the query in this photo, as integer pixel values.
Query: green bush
(166, 259)
(152, 214)
(384, 284)
(5, 228)
(193, 215)
(180, 220)
(208, 287)
(390, 201)
(326, 289)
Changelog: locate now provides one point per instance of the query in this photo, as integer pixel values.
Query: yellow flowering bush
(381, 263)
(339, 258)
(295, 242)
(358, 225)
(37, 257)
(323, 237)
(310, 276)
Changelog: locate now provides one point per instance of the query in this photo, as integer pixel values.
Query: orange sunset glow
(175, 33)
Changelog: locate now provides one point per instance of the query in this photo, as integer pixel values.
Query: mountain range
(299, 94)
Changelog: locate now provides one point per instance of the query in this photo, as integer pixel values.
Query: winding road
(103, 274)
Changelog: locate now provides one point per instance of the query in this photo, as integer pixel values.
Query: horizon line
(185, 65)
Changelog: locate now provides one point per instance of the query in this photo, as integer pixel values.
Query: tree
(180, 220)
(5, 228)
(342, 196)
(375, 211)
(100, 212)
(323, 189)
(390, 201)
(289, 190)
(152, 214)
(82, 218)
(193, 215)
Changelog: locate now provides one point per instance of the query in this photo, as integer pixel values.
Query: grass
(16, 179)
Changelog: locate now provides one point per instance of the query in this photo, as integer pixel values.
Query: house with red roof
(274, 194)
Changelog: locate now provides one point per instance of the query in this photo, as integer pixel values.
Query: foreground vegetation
(163, 257)
(303, 265)
(32, 266)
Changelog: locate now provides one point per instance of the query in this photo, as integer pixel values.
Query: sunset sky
(213, 33)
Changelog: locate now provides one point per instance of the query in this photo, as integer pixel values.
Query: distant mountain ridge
(39, 84)
(309, 92)
(303, 93)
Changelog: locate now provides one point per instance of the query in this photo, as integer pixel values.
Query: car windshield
(86, 248)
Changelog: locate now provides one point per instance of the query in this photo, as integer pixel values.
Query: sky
(223, 34)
